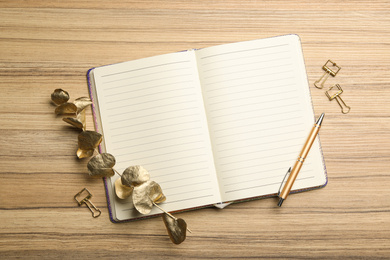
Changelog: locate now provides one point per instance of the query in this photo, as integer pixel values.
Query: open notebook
(218, 124)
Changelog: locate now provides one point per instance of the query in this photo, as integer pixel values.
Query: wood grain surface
(46, 45)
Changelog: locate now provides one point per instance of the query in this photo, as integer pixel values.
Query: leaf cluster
(135, 180)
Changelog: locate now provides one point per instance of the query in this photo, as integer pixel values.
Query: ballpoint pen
(301, 158)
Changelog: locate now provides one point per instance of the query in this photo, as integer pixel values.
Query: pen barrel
(291, 179)
(298, 164)
(309, 142)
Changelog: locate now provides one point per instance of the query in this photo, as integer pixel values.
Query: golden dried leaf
(88, 141)
(122, 191)
(145, 194)
(160, 199)
(81, 103)
(101, 165)
(84, 153)
(59, 96)
(156, 193)
(79, 121)
(135, 175)
(177, 228)
(74, 122)
(66, 109)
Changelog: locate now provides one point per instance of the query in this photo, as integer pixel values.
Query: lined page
(152, 114)
(259, 112)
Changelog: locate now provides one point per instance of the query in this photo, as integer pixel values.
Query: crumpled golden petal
(84, 153)
(74, 122)
(177, 228)
(101, 165)
(79, 121)
(81, 117)
(88, 141)
(59, 96)
(135, 175)
(156, 193)
(122, 191)
(160, 199)
(66, 109)
(145, 194)
(81, 103)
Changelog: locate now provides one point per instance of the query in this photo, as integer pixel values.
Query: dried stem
(117, 172)
(169, 214)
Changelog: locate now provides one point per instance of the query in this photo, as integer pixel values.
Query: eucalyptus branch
(169, 214)
(135, 180)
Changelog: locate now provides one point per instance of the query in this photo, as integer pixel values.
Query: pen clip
(281, 184)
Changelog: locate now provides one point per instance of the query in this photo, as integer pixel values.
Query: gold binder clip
(330, 68)
(95, 211)
(339, 100)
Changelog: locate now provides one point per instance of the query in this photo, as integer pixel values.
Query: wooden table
(46, 45)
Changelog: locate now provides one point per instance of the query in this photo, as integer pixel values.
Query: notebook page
(152, 114)
(259, 111)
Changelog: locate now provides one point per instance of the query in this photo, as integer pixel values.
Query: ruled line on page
(255, 83)
(159, 134)
(263, 122)
(172, 173)
(183, 193)
(252, 97)
(143, 75)
(281, 172)
(159, 147)
(244, 77)
(147, 88)
(149, 101)
(268, 184)
(137, 112)
(241, 51)
(142, 83)
(245, 70)
(253, 102)
(187, 178)
(188, 199)
(177, 166)
(154, 121)
(151, 94)
(247, 91)
(143, 68)
(242, 59)
(244, 144)
(165, 154)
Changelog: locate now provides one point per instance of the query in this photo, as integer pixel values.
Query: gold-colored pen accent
(301, 158)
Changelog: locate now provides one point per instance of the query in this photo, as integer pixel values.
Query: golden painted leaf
(177, 228)
(74, 122)
(59, 96)
(79, 121)
(101, 165)
(84, 153)
(88, 141)
(135, 175)
(66, 109)
(145, 194)
(160, 199)
(81, 103)
(156, 194)
(122, 191)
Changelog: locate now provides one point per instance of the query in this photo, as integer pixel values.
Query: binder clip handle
(86, 200)
(330, 68)
(337, 96)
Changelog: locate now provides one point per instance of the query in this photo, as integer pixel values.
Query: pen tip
(280, 202)
(319, 121)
